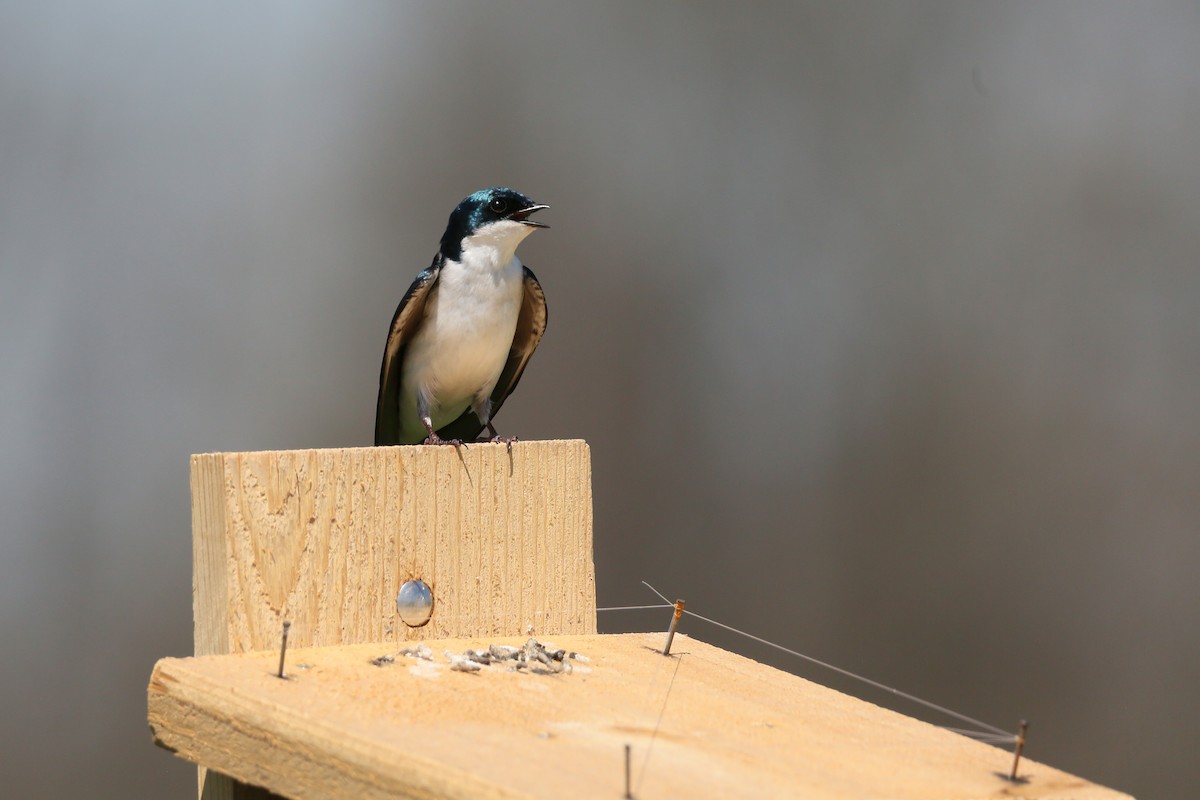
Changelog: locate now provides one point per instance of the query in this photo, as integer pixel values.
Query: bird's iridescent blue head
(483, 208)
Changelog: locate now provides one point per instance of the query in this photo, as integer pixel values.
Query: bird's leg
(483, 410)
(497, 438)
(427, 421)
(432, 438)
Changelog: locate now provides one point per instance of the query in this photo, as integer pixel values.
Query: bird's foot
(505, 440)
(433, 438)
(495, 438)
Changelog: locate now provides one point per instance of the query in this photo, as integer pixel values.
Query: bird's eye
(499, 205)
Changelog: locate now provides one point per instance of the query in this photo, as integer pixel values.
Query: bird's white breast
(460, 349)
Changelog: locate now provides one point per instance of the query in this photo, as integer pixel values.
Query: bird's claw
(506, 440)
(434, 439)
(496, 438)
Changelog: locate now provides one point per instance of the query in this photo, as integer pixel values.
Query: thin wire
(663, 710)
(660, 594)
(849, 674)
(635, 608)
(981, 736)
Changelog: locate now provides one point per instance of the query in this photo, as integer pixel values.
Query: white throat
(493, 247)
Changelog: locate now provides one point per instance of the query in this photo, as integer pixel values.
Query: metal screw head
(414, 603)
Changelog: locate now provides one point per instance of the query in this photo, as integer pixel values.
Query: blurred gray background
(881, 320)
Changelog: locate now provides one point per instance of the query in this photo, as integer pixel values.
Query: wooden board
(324, 538)
(726, 727)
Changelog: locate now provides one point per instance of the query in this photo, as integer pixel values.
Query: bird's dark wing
(531, 324)
(408, 314)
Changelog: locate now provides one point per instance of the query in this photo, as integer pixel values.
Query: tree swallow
(465, 329)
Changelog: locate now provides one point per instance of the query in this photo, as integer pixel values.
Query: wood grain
(325, 538)
(729, 727)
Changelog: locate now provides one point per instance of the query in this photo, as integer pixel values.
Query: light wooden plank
(730, 727)
(324, 538)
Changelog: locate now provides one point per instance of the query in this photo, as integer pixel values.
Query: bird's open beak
(523, 216)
